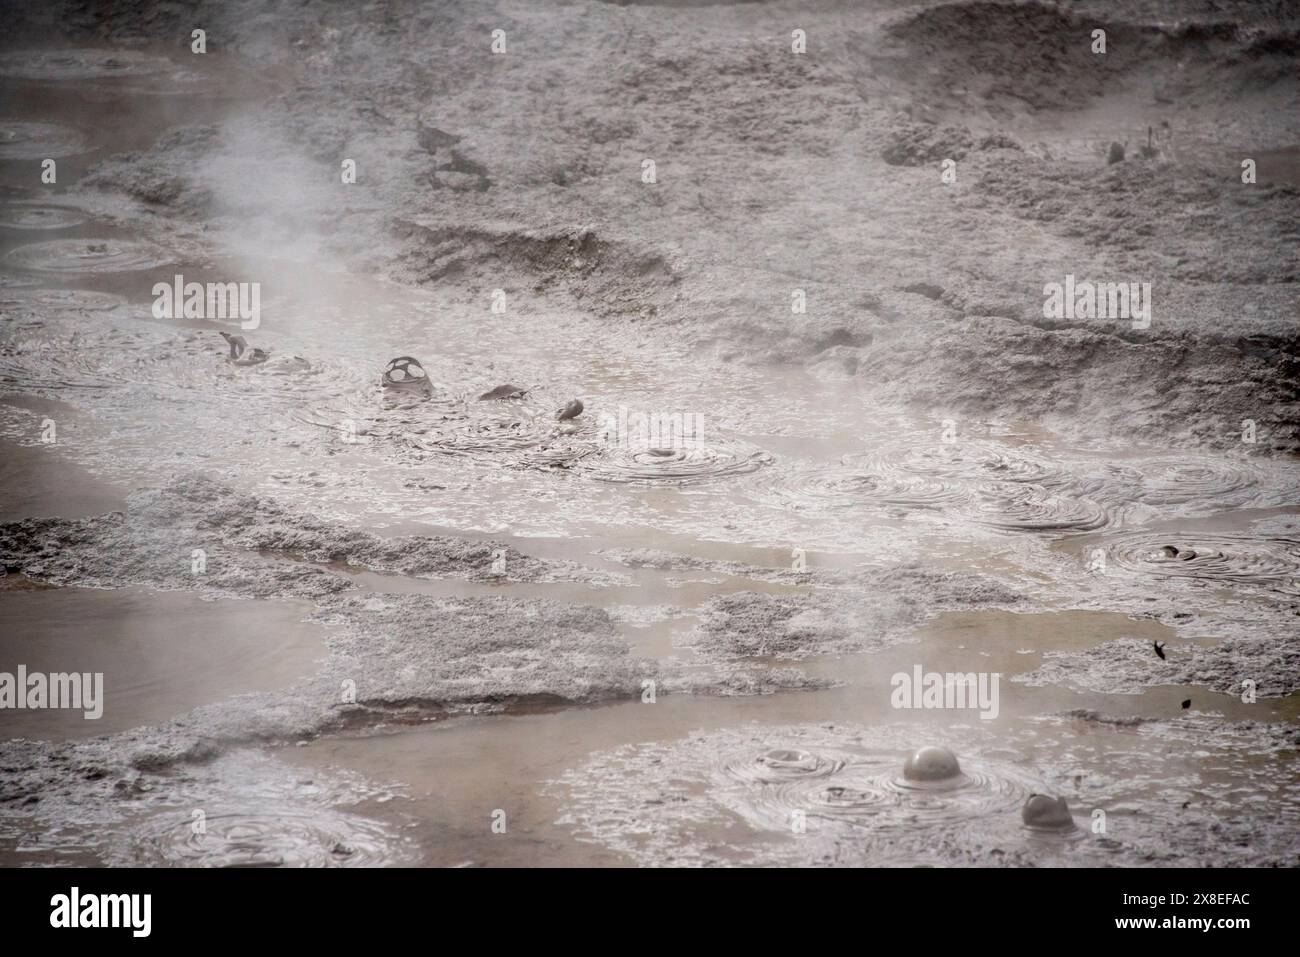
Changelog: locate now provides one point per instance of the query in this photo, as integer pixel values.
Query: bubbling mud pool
(832, 794)
(868, 790)
(32, 140)
(256, 836)
(322, 434)
(88, 256)
(1271, 564)
(795, 488)
(41, 216)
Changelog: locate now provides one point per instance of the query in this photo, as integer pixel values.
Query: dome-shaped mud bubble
(931, 764)
(854, 786)
(1047, 813)
(406, 374)
(844, 783)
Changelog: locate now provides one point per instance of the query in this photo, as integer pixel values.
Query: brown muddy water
(161, 654)
(1107, 548)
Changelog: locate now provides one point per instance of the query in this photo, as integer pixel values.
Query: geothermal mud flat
(339, 625)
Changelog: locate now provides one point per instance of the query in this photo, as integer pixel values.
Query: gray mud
(153, 543)
(870, 612)
(844, 787)
(341, 625)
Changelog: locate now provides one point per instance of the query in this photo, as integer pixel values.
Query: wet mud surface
(342, 624)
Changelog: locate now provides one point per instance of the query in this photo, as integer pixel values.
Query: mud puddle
(53, 104)
(461, 774)
(161, 654)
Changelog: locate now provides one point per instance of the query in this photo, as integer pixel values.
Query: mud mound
(256, 811)
(259, 524)
(775, 102)
(881, 609)
(1039, 55)
(1026, 53)
(615, 276)
(169, 175)
(1169, 390)
(114, 550)
(1130, 666)
(153, 543)
(922, 144)
(1180, 226)
(758, 625)
(422, 655)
